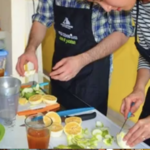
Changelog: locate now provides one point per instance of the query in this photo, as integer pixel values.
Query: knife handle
(74, 111)
(87, 116)
(130, 114)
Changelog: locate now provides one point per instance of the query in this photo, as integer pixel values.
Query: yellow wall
(124, 74)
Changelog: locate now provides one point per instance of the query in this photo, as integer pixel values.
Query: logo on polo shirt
(66, 24)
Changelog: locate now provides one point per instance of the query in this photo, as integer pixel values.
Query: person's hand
(67, 68)
(29, 56)
(138, 97)
(139, 132)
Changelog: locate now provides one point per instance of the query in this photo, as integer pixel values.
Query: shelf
(2, 35)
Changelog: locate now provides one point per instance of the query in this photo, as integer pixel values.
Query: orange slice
(23, 101)
(35, 99)
(54, 116)
(72, 128)
(73, 119)
(47, 121)
(49, 99)
(56, 130)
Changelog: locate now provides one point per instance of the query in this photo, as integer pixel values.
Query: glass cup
(38, 128)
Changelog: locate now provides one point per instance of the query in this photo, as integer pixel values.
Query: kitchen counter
(16, 137)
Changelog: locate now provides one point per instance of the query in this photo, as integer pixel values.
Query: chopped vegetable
(99, 137)
(105, 133)
(85, 132)
(99, 124)
(85, 140)
(68, 147)
(108, 141)
(120, 140)
(96, 131)
(28, 92)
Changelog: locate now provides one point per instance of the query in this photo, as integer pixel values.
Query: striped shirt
(143, 30)
(103, 24)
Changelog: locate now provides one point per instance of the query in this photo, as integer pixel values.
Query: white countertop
(16, 137)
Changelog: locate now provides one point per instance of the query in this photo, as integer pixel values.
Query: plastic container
(3, 56)
(9, 95)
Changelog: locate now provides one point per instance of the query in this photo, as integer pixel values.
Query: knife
(34, 85)
(84, 117)
(74, 111)
(129, 115)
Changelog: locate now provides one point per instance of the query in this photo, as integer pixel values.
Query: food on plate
(54, 116)
(73, 119)
(56, 130)
(35, 99)
(72, 128)
(28, 92)
(46, 120)
(29, 73)
(23, 101)
(120, 140)
(49, 99)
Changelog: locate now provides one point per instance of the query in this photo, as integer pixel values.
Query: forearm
(106, 47)
(143, 77)
(37, 35)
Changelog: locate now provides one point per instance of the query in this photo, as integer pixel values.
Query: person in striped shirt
(141, 15)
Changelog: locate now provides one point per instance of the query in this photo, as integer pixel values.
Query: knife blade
(129, 115)
(84, 117)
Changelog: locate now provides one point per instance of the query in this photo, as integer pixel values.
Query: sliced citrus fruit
(23, 101)
(49, 99)
(56, 130)
(54, 116)
(47, 121)
(73, 119)
(72, 128)
(35, 99)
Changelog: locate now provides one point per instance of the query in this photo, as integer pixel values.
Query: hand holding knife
(129, 115)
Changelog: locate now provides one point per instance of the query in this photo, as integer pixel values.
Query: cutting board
(90, 124)
(29, 109)
(53, 107)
